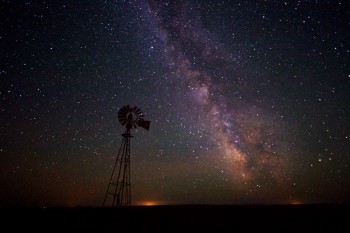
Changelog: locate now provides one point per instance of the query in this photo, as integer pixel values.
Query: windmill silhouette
(119, 186)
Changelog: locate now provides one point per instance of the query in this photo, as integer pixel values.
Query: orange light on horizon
(296, 202)
(148, 203)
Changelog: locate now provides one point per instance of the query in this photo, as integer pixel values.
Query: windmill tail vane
(144, 124)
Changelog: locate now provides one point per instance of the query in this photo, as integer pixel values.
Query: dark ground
(197, 218)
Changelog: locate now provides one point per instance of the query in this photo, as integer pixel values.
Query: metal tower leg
(119, 186)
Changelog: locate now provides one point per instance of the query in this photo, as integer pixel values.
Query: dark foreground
(198, 218)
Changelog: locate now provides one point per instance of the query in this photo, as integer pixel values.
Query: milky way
(243, 133)
(248, 101)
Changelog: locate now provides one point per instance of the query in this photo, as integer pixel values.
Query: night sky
(249, 101)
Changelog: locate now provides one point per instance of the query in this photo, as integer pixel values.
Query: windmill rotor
(132, 117)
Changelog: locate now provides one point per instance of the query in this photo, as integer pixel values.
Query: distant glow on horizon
(296, 202)
(148, 203)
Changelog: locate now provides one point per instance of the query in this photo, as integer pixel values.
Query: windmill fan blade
(123, 110)
(144, 124)
(122, 118)
(122, 114)
(138, 111)
(123, 122)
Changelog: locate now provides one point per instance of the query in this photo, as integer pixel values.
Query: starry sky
(248, 101)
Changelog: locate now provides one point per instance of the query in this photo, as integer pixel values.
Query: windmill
(119, 183)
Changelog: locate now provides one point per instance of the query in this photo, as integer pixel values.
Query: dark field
(187, 218)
